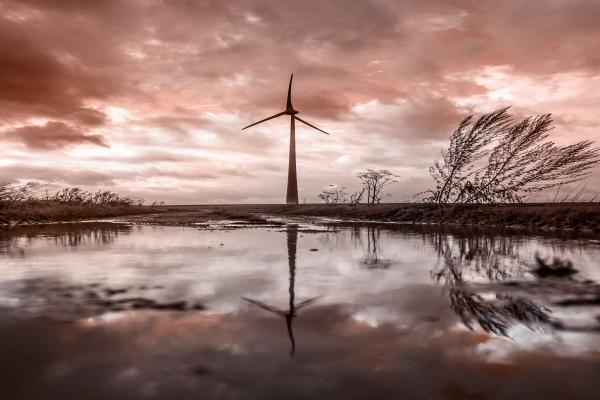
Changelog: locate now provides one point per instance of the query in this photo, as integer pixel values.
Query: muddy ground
(572, 216)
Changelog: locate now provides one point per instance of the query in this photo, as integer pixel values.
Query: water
(101, 310)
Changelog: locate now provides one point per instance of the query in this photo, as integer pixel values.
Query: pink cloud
(51, 136)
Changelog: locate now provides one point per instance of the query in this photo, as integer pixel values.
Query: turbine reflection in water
(293, 308)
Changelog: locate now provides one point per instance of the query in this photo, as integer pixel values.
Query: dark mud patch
(67, 302)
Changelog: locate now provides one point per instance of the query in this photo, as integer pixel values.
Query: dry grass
(42, 212)
(26, 204)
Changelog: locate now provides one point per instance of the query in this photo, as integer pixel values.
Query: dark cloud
(89, 117)
(52, 135)
(555, 36)
(36, 79)
(324, 104)
(427, 116)
(370, 50)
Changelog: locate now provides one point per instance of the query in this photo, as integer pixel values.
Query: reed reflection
(494, 315)
(491, 257)
(514, 290)
(494, 258)
(293, 307)
(69, 235)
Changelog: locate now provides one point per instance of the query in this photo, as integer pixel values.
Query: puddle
(102, 310)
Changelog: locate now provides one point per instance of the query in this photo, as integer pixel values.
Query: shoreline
(553, 217)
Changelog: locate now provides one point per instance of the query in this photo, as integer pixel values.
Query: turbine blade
(264, 306)
(289, 98)
(311, 125)
(306, 303)
(266, 119)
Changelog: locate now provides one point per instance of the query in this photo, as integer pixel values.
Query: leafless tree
(374, 181)
(494, 159)
(356, 197)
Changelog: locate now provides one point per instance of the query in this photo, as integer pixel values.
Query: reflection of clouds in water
(53, 299)
(216, 268)
(244, 356)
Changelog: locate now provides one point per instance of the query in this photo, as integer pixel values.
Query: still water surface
(103, 310)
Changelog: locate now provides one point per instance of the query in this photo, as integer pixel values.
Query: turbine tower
(292, 184)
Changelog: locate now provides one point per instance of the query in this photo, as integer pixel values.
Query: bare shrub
(494, 159)
(334, 195)
(356, 197)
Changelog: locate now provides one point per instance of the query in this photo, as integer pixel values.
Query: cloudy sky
(148, 97)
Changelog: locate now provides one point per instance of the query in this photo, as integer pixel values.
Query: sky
(148, 97)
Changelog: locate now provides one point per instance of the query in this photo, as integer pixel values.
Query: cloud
(89, 117)
(55, 175)
(36, 79)
(423, 115)
(52, 135)
(389, 80)
(324, 104)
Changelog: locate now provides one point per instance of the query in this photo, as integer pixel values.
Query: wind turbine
(292, 184)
